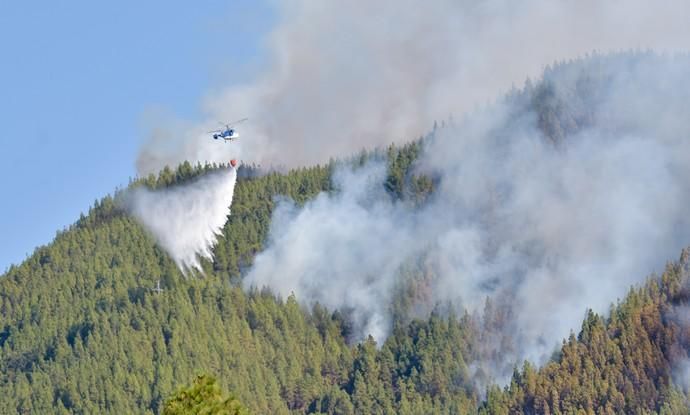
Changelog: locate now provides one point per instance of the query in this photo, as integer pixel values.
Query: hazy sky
(80, 79)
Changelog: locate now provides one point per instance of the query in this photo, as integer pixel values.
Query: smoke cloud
(332, 250)
(342, 76)
(547, 230)
(187, 219)
(678, 318)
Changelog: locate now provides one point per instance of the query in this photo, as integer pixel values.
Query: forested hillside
(623, 363)
(82, 331)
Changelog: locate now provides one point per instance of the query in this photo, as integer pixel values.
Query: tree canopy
(82, 331)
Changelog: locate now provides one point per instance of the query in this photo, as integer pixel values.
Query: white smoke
(186, 219)
(550, 230)
(681, 376)
(343, 250)
(556, 231)
(343, 76)
(680, 372)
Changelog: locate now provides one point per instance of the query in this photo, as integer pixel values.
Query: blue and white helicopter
(227, 133)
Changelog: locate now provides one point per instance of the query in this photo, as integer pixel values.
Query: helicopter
(227, 133)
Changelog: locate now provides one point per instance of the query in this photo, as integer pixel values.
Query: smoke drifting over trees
(555, 200)
(351, 75)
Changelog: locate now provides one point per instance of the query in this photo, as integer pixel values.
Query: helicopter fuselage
(227, 135)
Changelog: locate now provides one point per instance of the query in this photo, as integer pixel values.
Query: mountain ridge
(83, 333)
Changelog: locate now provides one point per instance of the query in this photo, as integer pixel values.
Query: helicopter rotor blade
(236, 122)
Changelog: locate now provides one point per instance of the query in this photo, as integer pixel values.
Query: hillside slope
(81, 331)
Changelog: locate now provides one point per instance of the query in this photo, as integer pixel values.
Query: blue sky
(77, 77)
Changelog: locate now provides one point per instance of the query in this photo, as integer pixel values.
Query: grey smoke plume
(678, 317)
(343, 76)
(549, 229)
(552, 231)
(681, 368)
(186, 220)
(343, 250)
(681, 376)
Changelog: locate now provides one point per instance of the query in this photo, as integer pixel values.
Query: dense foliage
(620, 364)
(204, 397)
(82, 331)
